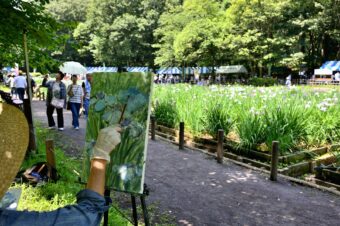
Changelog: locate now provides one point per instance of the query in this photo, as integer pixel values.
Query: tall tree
(120, 32)
(199, 42)
(69, 13)
(29, 16)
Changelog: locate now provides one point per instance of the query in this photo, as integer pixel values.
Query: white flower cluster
(327, 103)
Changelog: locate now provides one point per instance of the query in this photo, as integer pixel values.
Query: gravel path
(197, 191)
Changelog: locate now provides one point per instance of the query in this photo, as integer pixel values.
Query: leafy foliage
(299, 117)
(216, 118)
(166, 114)
(52, 196)
(120, 32)
(27, 16)
(255, 81)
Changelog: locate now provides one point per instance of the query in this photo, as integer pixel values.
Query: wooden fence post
(50, 158)
(181, 135)
(220, 139)
(274, 161)
(153, 127)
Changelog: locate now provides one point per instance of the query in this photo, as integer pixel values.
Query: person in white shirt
(76, 94)
(10, 81)
(337, 76)
(20, 84)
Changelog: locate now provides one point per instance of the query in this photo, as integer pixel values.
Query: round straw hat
(14, 136)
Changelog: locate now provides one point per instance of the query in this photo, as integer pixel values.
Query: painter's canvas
(124, 99)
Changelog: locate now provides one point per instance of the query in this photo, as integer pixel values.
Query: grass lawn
(52, 196)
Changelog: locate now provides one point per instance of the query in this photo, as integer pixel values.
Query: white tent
(235, 69)
(323, 72)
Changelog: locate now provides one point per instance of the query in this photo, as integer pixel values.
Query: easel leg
(134, 210)
(145, 211)
(106, 214)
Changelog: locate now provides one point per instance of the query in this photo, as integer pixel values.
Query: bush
(166, 114)
(251, 130)
(288, 126)
(262, 81)
(217, 118)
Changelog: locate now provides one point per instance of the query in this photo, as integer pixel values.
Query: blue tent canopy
(187, 70)
(170, 71)
(331, 65)
(137, 69)
(8, 69)
(201, 70)
(115, 69)
(101, 69)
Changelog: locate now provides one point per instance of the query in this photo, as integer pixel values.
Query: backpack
(39, 173)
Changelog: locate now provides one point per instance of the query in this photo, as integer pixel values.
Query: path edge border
(291, 179)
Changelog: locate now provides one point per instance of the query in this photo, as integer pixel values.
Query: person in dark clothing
(56, 91)
(45, 80)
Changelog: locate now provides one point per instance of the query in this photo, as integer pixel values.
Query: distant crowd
(63, 92)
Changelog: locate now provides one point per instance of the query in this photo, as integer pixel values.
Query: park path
(195, 190)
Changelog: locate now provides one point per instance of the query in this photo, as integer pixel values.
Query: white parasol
(73, 68)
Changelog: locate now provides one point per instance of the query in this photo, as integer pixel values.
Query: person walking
(75, 93)
(12, 85)
(45, 80)
(56, 99)
(20, 84)
(87, 93)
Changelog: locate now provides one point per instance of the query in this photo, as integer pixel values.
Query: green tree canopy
(120, 32)
(26, 16)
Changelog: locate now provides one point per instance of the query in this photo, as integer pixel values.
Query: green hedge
(262, 81)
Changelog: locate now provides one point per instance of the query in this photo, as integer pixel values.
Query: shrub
(262, 81)
(286, 125)
(217, 118)
(251, 130)
(166, 114)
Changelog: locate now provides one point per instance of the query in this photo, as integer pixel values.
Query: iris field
(253, 117)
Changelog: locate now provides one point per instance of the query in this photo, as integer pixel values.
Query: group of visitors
(18, 85)
(72, 97)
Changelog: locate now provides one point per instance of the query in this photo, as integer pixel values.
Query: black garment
(33, 85)
(60, 117)
(21, 93)
(44, 82)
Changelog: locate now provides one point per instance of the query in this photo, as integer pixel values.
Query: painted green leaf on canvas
(124, 99)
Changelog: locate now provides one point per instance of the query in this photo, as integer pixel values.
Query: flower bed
(302, 119)
(299, 118)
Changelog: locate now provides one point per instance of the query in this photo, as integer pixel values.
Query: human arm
(90, 202)
(107, 140)
(96, 181)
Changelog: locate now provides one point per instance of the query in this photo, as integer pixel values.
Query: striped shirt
(77, 93)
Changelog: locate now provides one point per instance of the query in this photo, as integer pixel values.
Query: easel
(134, 207)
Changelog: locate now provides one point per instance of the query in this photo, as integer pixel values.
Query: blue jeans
(21, 93)
(88, 211)
(75, 107)
(86, 106)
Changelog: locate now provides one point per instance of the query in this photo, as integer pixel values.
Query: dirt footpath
(197, 191)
